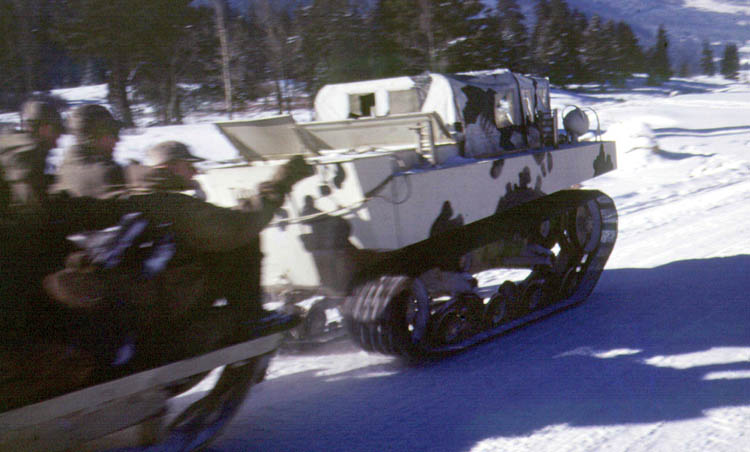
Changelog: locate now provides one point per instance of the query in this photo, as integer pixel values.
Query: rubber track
(368, 311)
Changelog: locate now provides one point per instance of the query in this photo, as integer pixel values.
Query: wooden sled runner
(130, 411)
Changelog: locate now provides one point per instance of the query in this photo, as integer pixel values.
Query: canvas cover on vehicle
(481, 108)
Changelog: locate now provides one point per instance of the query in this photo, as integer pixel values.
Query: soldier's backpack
(134, 263)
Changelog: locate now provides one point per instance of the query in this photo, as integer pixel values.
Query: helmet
(36, 112)
(93, 121)
(168, 151)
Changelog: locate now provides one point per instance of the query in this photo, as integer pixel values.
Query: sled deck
(130, 410)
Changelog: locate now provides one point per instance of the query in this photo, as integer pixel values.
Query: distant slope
(686, 21)
(715, 20)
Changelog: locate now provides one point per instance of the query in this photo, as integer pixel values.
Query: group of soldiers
(90, 191)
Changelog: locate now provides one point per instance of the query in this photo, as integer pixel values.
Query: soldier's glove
(292, 172)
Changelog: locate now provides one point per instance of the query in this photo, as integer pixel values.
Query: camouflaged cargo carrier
(422, 184)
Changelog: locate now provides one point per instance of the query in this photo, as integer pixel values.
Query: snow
(717, 6)
(657, 359)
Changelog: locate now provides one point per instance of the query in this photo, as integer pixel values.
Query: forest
(179, 55)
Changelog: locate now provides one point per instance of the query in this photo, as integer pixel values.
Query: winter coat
(199, 225)
(86, 172)
(22, 163)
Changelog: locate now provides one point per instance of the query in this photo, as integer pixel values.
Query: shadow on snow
(583, 367)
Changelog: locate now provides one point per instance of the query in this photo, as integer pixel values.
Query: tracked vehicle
(423, 184)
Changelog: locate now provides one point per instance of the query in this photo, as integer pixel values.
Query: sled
(132, 410)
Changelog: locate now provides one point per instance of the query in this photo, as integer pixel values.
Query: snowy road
(658, 358)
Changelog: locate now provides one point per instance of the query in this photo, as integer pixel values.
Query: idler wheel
(389, 315)
(503, 305)
(583, 227)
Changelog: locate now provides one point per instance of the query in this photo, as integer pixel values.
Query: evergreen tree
(415, 36)
(632, 58)
(333, 43)
(579, 23)
(513, 39)
(12, 80)
(595, 51)
(707, 60)
(113, 31)
(250, 56)
(458, 40)
(659, 69)
(556, 42)
(730, 62)
(276, 27)
(29, 59)
(684, 69)
(177, 31)
(542, 14)
(396, 39)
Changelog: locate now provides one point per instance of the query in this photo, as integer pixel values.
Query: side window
(504, 109)
(361, 105)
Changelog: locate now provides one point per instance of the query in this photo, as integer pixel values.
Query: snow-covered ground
(658, 358)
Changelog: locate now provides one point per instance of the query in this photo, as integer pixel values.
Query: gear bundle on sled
(136, 349)
(422, 184)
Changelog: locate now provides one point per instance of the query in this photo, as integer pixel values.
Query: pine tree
(112, 31)
(161, 67)
(457, 25)
(542, 14)
(595, 51)
(730, 62)
(556, 51)
(436, 35)
(276, 28)
(579, 23)
(659, 69)
(707, 59)
(12, 80)
(333, 43)
(514, 47)
(633, 59)
(28, 56)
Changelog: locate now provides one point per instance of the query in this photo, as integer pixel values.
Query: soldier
(88, 168)
(169, 168)
(218, 255)
(23, 157)
(226, 240)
